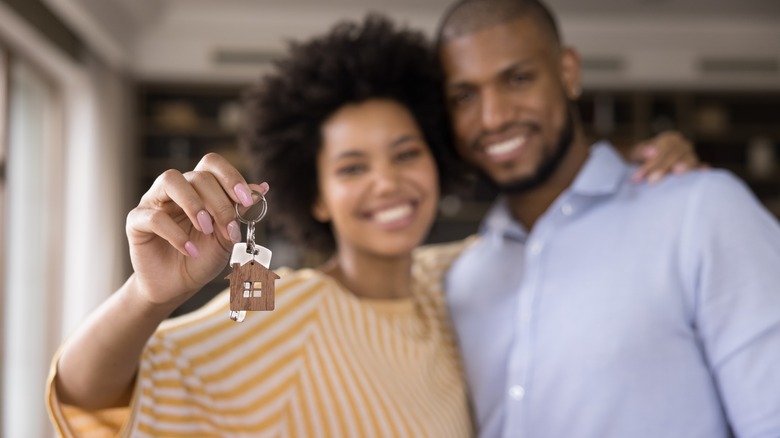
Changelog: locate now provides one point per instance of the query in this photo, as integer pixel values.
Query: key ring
(250, 223)
(259, 217)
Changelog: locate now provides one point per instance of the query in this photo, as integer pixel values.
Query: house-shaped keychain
(251, 286)
(251, 282)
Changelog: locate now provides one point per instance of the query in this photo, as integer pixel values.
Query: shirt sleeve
(732, 254)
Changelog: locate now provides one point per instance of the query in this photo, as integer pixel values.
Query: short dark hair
(468, 16)
(352, 63)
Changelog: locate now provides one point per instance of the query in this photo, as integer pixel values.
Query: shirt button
(536, 248)
(567, 209)
(516, 392)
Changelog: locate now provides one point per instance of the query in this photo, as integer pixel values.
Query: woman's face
(378, 182)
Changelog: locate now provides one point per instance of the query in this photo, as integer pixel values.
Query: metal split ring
(260, 216)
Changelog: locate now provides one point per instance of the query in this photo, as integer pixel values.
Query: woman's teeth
(393, 214)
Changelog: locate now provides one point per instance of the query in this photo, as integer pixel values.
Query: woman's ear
(320, 211)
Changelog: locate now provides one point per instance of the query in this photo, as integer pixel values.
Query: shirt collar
(499, 220)
(602, 174)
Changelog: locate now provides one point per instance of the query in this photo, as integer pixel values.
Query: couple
(588, 305)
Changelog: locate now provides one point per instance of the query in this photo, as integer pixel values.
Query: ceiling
(663, 8)
(176, 38)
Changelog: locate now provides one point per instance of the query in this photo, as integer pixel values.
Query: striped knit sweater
(323, 364)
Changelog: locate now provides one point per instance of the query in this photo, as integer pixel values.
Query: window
(253, 289)
(63, 139)
(32, 195)
(3, 138)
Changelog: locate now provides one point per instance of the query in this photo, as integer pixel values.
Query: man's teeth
(505, 146)
(393, 214)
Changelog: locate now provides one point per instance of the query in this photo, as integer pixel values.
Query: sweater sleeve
(70, 421)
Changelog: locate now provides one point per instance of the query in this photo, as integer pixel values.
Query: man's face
(508, 88)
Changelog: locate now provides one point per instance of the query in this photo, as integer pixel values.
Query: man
(591, 306)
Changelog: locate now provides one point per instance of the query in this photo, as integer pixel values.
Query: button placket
(517, 392)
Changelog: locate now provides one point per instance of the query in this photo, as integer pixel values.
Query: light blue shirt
(628, 311)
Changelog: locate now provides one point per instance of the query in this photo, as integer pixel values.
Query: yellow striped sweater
(323, 364)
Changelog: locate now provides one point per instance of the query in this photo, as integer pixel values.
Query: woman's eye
(351, 169)
(408, 155)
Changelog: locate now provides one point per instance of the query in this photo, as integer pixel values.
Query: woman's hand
(668, 152)
(182, 232)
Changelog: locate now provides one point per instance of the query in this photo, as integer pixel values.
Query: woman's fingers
(664, 164)
(172, 192)
(205, 195)
(228, 176)
(232, 183)
(219, 206)
(150, 223)
(666, 153)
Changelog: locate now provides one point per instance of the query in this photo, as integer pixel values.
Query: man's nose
(496, 110)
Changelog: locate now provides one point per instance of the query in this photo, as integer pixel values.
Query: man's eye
(461, 97)
(519, 78)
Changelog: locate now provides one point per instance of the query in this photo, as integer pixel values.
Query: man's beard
(551, 160)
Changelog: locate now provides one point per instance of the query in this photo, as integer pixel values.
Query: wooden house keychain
(251, 282)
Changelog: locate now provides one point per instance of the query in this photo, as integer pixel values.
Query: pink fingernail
(680, 168)
(191, 249)
(234, 231)
(649, 152)
(264, 187)
(204, 220)
(244, 194)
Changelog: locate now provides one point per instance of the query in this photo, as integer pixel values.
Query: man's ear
(320, 211)
(571, 72)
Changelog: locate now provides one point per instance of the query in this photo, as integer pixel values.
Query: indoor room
(99, 98)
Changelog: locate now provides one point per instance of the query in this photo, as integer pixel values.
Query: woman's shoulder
(442, 253)
(432, 261)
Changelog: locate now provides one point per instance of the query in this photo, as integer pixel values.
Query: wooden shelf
(178, 124)
(722, 125)
(199, 132)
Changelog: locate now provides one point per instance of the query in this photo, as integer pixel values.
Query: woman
(358, 347)
(347, 131)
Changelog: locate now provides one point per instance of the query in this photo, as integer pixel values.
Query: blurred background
(97, 97)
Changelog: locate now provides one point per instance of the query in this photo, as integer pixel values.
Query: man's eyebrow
(503, 72)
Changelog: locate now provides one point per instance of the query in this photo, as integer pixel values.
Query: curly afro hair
(352, 63)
